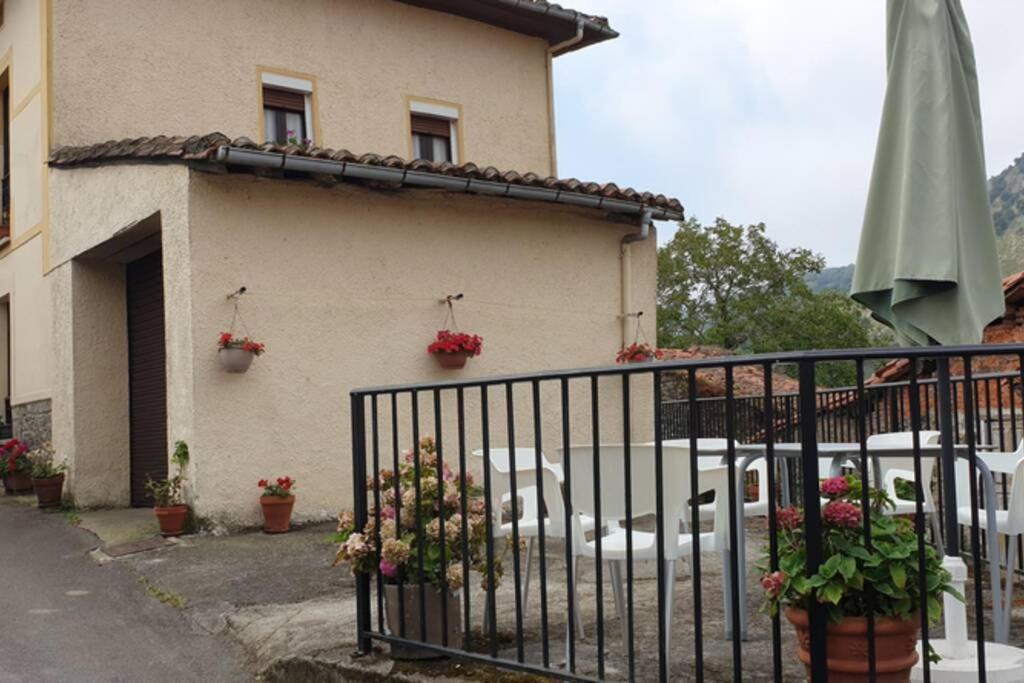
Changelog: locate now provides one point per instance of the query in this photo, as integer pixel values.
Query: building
(132, 222)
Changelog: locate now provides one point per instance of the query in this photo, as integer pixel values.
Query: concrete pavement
(66, 618)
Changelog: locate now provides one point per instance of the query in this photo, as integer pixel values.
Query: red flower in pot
(453, 349)
(236, 353)
(638, 353)
(277, 502)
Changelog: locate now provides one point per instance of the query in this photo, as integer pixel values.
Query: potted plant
(277, 502)
(47, 476)
(848, 567)
(236, 353)
(16, 467)
(453, 349)
(394, 550)
(638, 353)
(168, 502)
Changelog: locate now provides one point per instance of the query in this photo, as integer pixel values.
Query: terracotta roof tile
(204, 148)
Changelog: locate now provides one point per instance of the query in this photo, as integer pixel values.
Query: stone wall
(32, 422)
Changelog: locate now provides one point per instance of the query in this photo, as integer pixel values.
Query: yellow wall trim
(313, 99)
(26, 100)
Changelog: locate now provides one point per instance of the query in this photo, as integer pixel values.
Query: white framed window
(434, 131)
(287, 109)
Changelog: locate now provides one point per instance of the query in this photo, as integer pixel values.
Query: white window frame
(440, 111)
(299, 85)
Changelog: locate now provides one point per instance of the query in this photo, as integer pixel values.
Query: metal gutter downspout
(626, 260)
(552, 148)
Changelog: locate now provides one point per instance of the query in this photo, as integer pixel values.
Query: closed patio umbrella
(927, 264)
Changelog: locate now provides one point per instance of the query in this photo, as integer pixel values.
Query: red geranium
(638, 353)
(14, 457)
(281, 488)
(228, 341)
(456, 342)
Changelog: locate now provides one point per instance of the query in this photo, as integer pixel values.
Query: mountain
(1006, 195)
(839, 278)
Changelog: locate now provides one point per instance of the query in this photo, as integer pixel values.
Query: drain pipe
(626, 261)
(552, 51)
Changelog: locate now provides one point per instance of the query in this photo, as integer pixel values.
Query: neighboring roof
(899, 369)
(748, 380)
(531, 17)
(239, 153)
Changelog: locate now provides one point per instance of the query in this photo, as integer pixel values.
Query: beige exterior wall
(128, 68)
(344, 287)
(23, 259)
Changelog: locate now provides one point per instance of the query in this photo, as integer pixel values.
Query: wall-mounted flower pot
(171, 519)
(453, 360)
(48, 491)
(277, 513)
(18, 483)
(236, 360)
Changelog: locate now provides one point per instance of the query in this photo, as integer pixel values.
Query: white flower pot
(236, 360)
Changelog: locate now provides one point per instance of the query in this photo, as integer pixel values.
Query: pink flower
(388, 569)
(842, 513)
(835, 487)
(773, 584)
(788, 518)
(388, 512)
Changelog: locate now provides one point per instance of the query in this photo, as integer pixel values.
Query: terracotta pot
(17, 483)
(411, 609)
(171, 519)
(277, 513)
(847, 643)
(452, 361)
(236, 360)
(48, 491)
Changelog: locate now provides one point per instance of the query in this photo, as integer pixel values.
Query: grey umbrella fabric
(927, 263)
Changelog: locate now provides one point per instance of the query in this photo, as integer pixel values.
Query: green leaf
(848, 567)
(898, 574)
(832, 593)
(934, 609)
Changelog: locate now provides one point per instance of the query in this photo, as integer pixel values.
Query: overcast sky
(760, 111)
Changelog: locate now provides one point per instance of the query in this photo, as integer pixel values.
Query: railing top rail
(966, 351)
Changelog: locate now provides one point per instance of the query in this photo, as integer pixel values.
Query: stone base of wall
(32, 422)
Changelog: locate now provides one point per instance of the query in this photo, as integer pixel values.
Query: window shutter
(284, 99)
(431, 125)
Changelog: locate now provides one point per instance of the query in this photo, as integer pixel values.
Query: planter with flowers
(391, 541)
(277, 502)
(236, 353)
(17, 471)
(848, 568)
(47, 476)
(638, 352)
(168, 499)
(453, 349)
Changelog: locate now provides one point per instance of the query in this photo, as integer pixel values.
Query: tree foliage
(732, 286)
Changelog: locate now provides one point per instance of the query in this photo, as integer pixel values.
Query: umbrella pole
(957, 644)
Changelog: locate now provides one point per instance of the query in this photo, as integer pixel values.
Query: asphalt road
(65, 618)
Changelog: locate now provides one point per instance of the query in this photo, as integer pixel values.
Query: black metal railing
(588, 477)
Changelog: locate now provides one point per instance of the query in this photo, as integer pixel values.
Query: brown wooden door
(147, 380)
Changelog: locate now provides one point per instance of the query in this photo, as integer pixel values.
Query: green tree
(732, 286)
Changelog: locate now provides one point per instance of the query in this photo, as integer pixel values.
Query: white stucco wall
(344, 287)
(128, 68)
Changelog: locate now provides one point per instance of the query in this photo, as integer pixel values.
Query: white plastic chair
(611, 499)
(1009, 522)
(526, 489)
(893, 468)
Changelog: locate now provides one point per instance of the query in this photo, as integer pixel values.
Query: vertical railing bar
(420, 527)
(514, 500)
(922, 565)
(818, 668)
(979, 604)
(460, 409)
(698, 617)
(538, 460)
(489, 512)
(595, 427)
(375, 440)
(442, 485)
(628, 485)
(1016, 436)
(398, 508)
(659, 535)
(570, 564)
(768, 489)
(865, 502)
(363, 618)
(735, 519)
